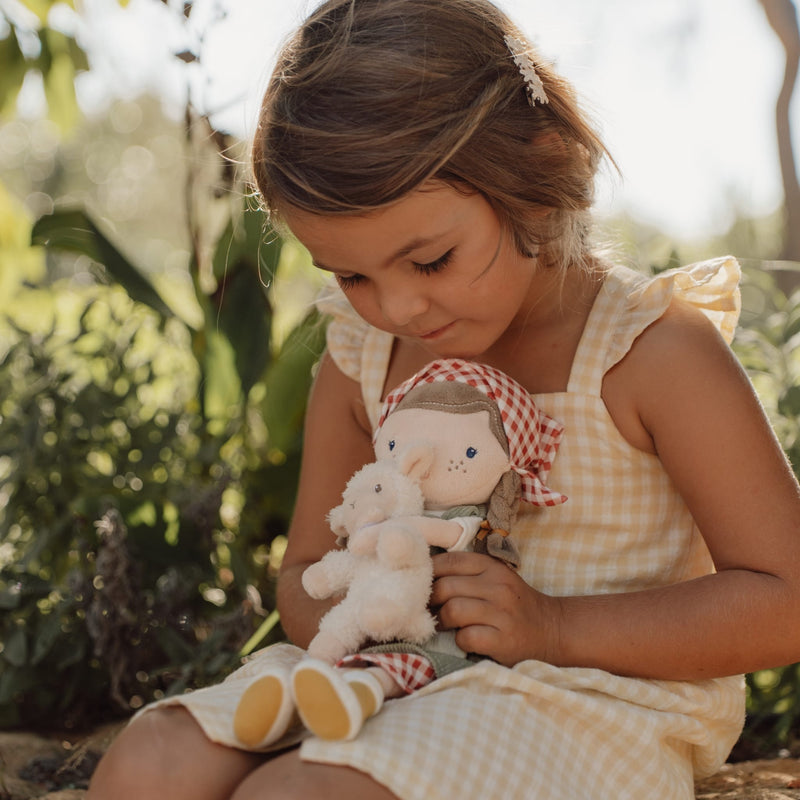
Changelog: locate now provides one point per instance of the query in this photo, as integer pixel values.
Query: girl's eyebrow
(414, 244)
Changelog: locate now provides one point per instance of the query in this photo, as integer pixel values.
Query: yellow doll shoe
(334, 703)
(265, 710)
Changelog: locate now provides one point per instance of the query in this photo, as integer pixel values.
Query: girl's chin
(454, 351)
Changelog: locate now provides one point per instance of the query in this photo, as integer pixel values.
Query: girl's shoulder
(672, 334)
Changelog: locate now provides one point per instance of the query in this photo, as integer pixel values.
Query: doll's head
(491, 444)
(372, 98)
(466, 432)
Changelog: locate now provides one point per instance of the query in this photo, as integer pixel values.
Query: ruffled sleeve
(346, 331)
(360, 351)
(710, 286)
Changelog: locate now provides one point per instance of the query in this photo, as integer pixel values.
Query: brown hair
(371, 98)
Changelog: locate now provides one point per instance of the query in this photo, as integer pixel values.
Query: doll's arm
(446, 533)
(336, 444)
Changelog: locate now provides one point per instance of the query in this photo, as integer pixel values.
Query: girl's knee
(290, 778)
(126, 766)
(165, 754)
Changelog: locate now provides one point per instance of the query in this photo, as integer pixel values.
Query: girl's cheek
(366, 308)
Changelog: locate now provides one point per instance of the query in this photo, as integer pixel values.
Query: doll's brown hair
(371, 98)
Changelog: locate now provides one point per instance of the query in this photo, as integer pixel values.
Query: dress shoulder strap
(629, 302)
(589, 363)
(375, 358)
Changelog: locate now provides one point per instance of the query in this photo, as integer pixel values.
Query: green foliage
(149, 441)
(53, 54)
(767, 344)
(142, 490)
(73, 231)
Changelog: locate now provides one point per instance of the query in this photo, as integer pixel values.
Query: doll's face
(468, 460)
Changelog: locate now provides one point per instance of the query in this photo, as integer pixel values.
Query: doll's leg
(334, 703)
(265, 711)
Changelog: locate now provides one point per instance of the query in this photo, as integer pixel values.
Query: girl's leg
(164, 755)
(286, 777)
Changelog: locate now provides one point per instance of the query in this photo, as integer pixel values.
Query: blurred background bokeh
(157, 338)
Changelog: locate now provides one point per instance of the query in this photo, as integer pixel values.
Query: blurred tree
(782, 16)
(30, 44)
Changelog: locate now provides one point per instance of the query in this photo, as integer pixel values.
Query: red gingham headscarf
(533, 436)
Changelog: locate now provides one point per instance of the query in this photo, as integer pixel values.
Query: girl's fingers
(461, 612)
(469, 575)
(456, 586)
(460, 564)
(480, 639)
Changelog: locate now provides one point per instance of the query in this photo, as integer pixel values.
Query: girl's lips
(435, 334)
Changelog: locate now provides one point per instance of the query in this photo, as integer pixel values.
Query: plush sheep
(385, 570)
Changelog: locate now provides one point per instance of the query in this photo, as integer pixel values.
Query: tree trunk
(782, 16)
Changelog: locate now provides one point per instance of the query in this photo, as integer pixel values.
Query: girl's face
(468, 461)
(436, 268)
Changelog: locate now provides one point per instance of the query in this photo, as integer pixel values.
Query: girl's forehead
(422, 217)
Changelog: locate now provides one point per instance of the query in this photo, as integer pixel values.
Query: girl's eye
(349, 281)
(471, 452)
(435, 266)
(391, 445)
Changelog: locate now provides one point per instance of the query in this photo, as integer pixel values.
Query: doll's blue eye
(391, 445)
(471, 452)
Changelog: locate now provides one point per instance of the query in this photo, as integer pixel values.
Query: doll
(490, 447)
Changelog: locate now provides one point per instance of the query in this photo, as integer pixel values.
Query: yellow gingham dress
(539, 731)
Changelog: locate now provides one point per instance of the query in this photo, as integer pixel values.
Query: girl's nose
(400, 306)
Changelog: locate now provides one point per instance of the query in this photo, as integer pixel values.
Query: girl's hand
(493, 611)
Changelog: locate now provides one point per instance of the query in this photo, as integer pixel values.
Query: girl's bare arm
(711, 434)
(696, 409)
(336, 444)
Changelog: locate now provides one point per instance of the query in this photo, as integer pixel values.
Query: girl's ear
(415, 459)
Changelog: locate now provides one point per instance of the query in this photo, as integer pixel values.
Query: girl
(443, 173)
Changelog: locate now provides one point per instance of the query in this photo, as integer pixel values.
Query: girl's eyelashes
(349, 281)
(436, 265)
(432, 267)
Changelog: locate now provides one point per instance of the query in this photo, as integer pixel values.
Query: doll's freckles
(456, 466)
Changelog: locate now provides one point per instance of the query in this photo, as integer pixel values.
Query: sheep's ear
(416, 459)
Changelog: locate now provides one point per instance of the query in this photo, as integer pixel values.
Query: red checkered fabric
(410, 671)
(533, 436)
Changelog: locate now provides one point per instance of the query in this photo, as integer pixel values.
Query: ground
(58, 767)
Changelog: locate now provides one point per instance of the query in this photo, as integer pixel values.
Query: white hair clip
(520, 52)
